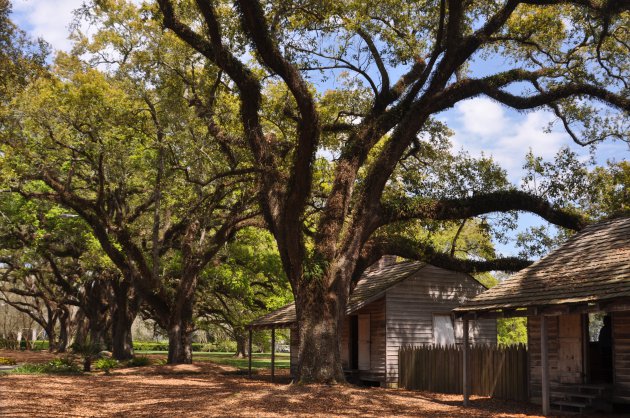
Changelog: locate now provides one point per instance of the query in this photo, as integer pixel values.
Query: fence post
(466, 366)
(273, 354)
(544, 357)
(249, 363)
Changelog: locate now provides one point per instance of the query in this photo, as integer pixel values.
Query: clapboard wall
(411, 304)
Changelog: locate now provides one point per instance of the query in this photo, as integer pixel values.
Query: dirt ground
(209, 390)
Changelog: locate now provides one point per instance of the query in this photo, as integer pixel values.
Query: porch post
(466, 372)
(273, 354)
(249, 373)
(544, 357)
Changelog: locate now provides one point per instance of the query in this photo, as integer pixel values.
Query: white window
(443, 332)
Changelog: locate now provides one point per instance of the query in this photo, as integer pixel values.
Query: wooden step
(570, 403)
(586, 396)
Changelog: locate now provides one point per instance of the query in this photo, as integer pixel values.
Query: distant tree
(245, 283)
(128, 154)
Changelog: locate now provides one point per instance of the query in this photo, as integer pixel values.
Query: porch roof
(592, 266)
(371, 286)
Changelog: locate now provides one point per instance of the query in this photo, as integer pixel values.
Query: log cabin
(577, 304)
(393, 305)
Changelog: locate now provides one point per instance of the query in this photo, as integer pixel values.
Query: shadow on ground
(206, 389)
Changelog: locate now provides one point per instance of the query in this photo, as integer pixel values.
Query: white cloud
(482, 116)
(49, 20)
(481, 125)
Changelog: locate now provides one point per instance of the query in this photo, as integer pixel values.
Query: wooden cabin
(394, 305)
(577, 301)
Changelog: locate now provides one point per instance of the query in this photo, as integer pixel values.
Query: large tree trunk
(124, 313)
(64, 330)
(180, 324)
(319, 355)
(241, 343)
(98, 338)
(180, 339)
(81, 328)
(50, 331)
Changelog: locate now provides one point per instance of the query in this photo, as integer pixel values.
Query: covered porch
(283, 318)
(577, 301)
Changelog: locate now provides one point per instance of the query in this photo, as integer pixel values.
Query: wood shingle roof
(371, 286)
(592, 266)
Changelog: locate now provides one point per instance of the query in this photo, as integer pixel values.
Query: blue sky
(480, 125)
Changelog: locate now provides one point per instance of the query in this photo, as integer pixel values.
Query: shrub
(225, 346)
(150, 346)
(139, 361)
(163, 346)
(39, 345)
(29, 368)
(105, 364)
(57, 366)
(6, 361)
(62, 365)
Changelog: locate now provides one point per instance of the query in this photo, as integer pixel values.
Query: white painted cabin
(402, 304)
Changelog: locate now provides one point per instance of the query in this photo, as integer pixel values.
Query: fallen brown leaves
(208, 390)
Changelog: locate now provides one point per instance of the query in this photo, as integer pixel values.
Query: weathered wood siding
(564, 333)
(533, 350)
(411, 304)
(621, 347)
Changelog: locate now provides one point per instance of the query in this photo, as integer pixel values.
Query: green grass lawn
(259, 360)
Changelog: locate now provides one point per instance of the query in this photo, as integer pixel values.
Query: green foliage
(65, 365)
(512, 330)
(219, 346)
(150, 346)
(7, 361)
(567, 181)
(105, 364)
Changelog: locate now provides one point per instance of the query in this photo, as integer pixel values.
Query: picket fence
(496, 371)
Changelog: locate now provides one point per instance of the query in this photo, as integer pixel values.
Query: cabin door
(364, 342)
(570, 359)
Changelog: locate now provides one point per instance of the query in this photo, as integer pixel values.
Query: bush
(29, 368)
(150, 346)
(105, 364)
(7, 361)
(39, 345)
(62, 365)
(225, 346)
(56, 366)
(8, 344)
(139, 361)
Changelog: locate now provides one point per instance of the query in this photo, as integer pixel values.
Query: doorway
(354, 342)
(600, 348)
(364, 342)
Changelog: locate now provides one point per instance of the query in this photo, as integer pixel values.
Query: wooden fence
(497, 371)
